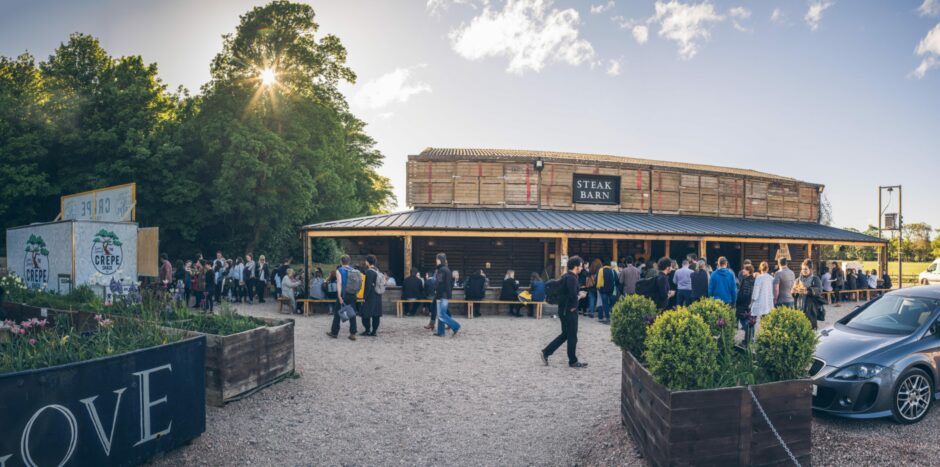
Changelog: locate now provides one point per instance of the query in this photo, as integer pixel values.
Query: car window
(932, 267)
(894, 314)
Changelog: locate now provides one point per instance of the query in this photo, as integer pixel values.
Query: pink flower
(42, 323)
(22, 331)
(32, 342)
(721, 322)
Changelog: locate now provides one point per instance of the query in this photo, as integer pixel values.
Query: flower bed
(117, 393)
(692, 402)
(243, 353)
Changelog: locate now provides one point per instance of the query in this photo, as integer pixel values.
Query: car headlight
(858, 371)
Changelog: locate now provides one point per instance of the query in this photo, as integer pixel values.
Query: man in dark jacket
(442, 295)
(476, 290)
(661, 290)
(412, 289)
(699, 282)
(568, 315)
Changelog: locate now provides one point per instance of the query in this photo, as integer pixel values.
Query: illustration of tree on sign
(36, 246)
(107, 239)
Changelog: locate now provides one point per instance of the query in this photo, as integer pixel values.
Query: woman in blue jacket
(537, 288)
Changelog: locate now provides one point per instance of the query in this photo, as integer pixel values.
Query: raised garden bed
(715, 426)
(240, 364)
(117, 394)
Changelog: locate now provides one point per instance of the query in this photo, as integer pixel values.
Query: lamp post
(896, 223)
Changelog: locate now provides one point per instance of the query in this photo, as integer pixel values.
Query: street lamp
(891, 221)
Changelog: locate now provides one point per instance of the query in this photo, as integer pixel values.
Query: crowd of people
(203, 283)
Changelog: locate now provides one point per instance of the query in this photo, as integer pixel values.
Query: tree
(935, 246)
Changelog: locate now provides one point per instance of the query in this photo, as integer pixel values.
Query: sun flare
(268, 77)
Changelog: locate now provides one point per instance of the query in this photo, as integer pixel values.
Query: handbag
(347, 312)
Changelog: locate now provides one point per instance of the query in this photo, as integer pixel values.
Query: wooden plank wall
(510, 184)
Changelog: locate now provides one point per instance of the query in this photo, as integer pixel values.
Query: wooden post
(562, 254)
(669, 247)
(613, 251)
(702, 244)
(809, 252)
(308, 260)
(407, 255)
(648, 250)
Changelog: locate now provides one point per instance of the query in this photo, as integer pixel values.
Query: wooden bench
(309, 302)
(399, 305)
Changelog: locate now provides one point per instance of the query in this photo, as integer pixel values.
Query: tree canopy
(239, 166)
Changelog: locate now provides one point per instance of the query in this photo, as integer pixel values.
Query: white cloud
(602, 7)
(394, 86)
(737, 15)
(385, 115)
(528, 32)
(641, 34)
(613, 68)
(778, 16)
(685, 24)
(815, 13)
(929, 8)
(929, 48)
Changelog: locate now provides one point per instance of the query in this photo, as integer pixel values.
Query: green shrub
(785, 344)
(720, 318)
(681, 352)
(629, 318)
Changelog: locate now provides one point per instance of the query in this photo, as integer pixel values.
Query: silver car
(882, 359)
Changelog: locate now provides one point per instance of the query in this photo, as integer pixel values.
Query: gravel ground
(409, 398)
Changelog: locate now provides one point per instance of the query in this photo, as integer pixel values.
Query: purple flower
(32, 342)
(721, 322)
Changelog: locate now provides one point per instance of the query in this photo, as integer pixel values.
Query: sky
(837, 92)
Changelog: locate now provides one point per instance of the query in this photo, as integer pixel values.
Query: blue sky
(843, 93)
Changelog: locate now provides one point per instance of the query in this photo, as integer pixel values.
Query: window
(894, 314)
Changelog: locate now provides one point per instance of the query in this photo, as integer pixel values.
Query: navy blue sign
(111, 411)
(595, 189)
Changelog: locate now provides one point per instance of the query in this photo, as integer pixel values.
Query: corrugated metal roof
(486, 153)
(588, 222)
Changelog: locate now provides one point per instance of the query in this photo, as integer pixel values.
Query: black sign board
(595, 189)
(119, 410)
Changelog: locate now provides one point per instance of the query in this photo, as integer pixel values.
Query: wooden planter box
(117, 410)
(240, 364)
(715, 426)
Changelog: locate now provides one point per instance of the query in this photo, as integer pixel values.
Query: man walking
(723, 284)
(348, 282)
(568, 314)
(442, 294)
(250, 275)
(683, 281)
(783, 284)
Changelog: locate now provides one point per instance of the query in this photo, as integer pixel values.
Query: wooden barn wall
(511, 184)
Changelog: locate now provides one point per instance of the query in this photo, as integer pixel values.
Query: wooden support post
(562, 255)
(809, 252)
(308, 260)
(407, 255)
(648, 250)
(881, 267)
(702, 244)
(668, 248)
(545, 262)
(614, 251)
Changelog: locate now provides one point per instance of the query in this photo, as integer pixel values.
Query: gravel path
(409, 398)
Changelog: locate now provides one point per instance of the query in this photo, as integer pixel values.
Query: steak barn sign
(118, 410)
(595, 189)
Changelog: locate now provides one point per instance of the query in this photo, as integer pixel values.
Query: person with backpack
(606, 284)
(348, 283)
(445, 286)
(476, 290)
(566, 292)
(723, 284)
(371, 311)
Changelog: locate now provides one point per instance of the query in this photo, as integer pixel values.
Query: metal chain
(772, 428)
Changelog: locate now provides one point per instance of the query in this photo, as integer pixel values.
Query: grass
(911, 269)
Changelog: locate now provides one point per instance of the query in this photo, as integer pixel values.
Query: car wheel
(913, 395)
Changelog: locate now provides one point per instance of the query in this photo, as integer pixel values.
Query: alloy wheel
(913, 397)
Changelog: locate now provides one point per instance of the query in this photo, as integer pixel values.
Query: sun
(268, 77)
